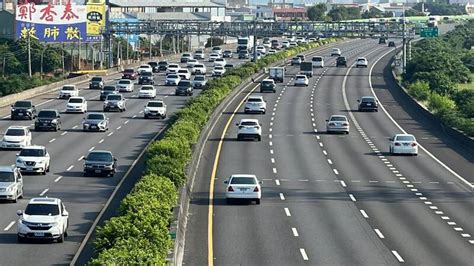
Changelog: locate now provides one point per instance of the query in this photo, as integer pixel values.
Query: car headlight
(147, 110)
(102, 123)
(9, 189)
(13, 109)
(86, 124)
(106, 102)
(19, 161)
(54, 121)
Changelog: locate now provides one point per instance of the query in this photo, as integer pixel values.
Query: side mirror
(327, 120)
(358, 101)
(58, 116)
(19, 212)
(115, 159)
(236, 124)
(18, 154)
(65, 213)
(33, 106)
(226, 182)
(260, 182)
(84, 158)
(11, 105)
(260, 124)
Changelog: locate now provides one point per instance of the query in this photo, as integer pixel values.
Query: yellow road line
(210, 248)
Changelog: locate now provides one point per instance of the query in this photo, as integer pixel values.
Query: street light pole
(29, 54)
(404, 42)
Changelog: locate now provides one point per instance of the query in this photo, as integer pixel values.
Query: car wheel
(86, 174)
(65, 233)
(20, 239)
(47, 169)
(21, 195)
(61, 238)
(259, 138)
(43, 173)
(228, 201)
(239, 137)
(257, 201)
(145, 116)
(15, 200)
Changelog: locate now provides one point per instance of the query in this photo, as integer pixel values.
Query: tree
(339, 13)
(317, 12)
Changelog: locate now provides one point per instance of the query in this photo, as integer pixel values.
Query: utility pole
(79, 54)
(62, 57)
(161, 45)
(126, 50)
(255, 41)
(3, 66)
(404, 42)
(111, 56)
(118, 53)
(101, 51)
(29, 54)
(150, 47)
(41, 59)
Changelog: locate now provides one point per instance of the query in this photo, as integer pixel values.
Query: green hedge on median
(139, 234)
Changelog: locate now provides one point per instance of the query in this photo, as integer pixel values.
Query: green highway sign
(429, 32)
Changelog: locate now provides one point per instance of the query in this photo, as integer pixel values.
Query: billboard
(60, 23)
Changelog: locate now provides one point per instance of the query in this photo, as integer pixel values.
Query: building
(290, 14)
(7, 19)
(237, 3)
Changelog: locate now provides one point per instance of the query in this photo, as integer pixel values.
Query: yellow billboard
(96, 17)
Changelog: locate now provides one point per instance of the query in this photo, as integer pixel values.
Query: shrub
(420, 90)
(438, 103)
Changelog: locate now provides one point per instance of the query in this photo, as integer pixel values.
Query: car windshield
(47, 114)
(184, 83)
(300, 77)
(198, 66)
(296, 59)
(145, 66)
(186, 55)
(267, 83)
(96, 79)
(199, 78)
(147, 74)
(114, 97)
(317, 59)
(42, 209)
(155, 104)
(369, 100)
(338, 119)
(216, 49)
(100, 157)
(237, 180)
(32, 152)
(173, 66)
(214, 55)
(249, 123)
(198, 52)
(153, 63)
(219, 68)
(15, 132)
(361, 59)
(75, 100)
(95, 117)
(7, 177)
(255, 100)
(172, 76)
(109, 88)
(341, 59)
(124, 82)
(22, 104)
(405, 138)
(183, 71)
(129, 71)
(146, 88)
(68, 88)
(220, 60)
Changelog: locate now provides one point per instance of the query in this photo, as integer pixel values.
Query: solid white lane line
(287, 212)
(69, 168)
(303, 254)
(81, 158)
(57, 179)
(91, 149)
(364, 214)
(44, 192)
(64, 133)
(52, 140)
(277, 182)
(102, 140)
(9, 226)
(110, 134)
(352, 197)
(399, 258)
(282, 197)
(295, 232)
(379, 233)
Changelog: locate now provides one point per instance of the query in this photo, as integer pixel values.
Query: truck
(277, 73)
(244, 43)
(306, 68)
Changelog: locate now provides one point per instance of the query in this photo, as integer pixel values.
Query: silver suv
(11, 183)
(115, 102)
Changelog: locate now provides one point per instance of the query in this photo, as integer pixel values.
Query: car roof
(69, 85)
(255, 97)
(125, 80)
(55, 110)
(7, 168)
(339, 116)
(52, 201)
(367, 97)
(248, 120)
(147, 86)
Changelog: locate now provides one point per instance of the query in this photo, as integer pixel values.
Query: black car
(162, 65)
(368, 103)
(229, 66)
(382, 40)
(341, 61)
(184, 88)
(96, 83)
(22, 110)
(243, 54)
(106, 91)
(154, 66)
(48, 119)
(146, 78)
(391, 44)
(100, 162)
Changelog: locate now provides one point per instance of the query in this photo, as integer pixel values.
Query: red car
(129, 74)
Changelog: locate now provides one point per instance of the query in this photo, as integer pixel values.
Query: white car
(199, 54)
(213, 57)
(243, 186)
(261, 49)
(300, 40)
(249, 129)
(403, 144)
(68, 91)
(11, 183)
(184, 74)
(16, 137)
(33, 159)
(217, 50)
(147, 91)
(362, 62)
(199, 69)
(285, 44)
(155, 109)
(301, 80)
(220, 62)
(43, 218)
(172, 79)
(337, 123)
(172, 68)
(185, 57)
(255, 104)
(191, 63)
(199, 81)
(145, 68)
(125, 85)
(336, 52)
(76, 104)
(218, 71)
(318, 61)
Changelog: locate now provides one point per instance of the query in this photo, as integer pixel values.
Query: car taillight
(413, 144)
(255, 189)
(397, 144)
(230, 189)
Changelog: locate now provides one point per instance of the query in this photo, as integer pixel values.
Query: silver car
(95, 122)
(115, 102)
(337, 123)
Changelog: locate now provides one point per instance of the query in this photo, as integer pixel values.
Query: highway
(83, 197)
(330, 199)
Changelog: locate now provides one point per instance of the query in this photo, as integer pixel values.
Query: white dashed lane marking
(44, 192)
(9, 226)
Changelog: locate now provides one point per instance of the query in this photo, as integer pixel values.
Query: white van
(318, 61)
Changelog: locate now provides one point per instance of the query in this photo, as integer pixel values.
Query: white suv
(255, 104)
(43, 218)
(68, 91)
(11, 183)
(76, 104)
(155, 109)
(249, 129)
(16, 137)
(33, 159)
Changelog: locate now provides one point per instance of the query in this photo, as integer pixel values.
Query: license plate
(98, 171)
(39, 234)
(20, 114)
(406, 144)
(244, 189)
(93, 127)
(29, 168)
(45, 124)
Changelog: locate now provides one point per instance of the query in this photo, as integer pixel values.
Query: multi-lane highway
(331, 199)
(84, 197)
